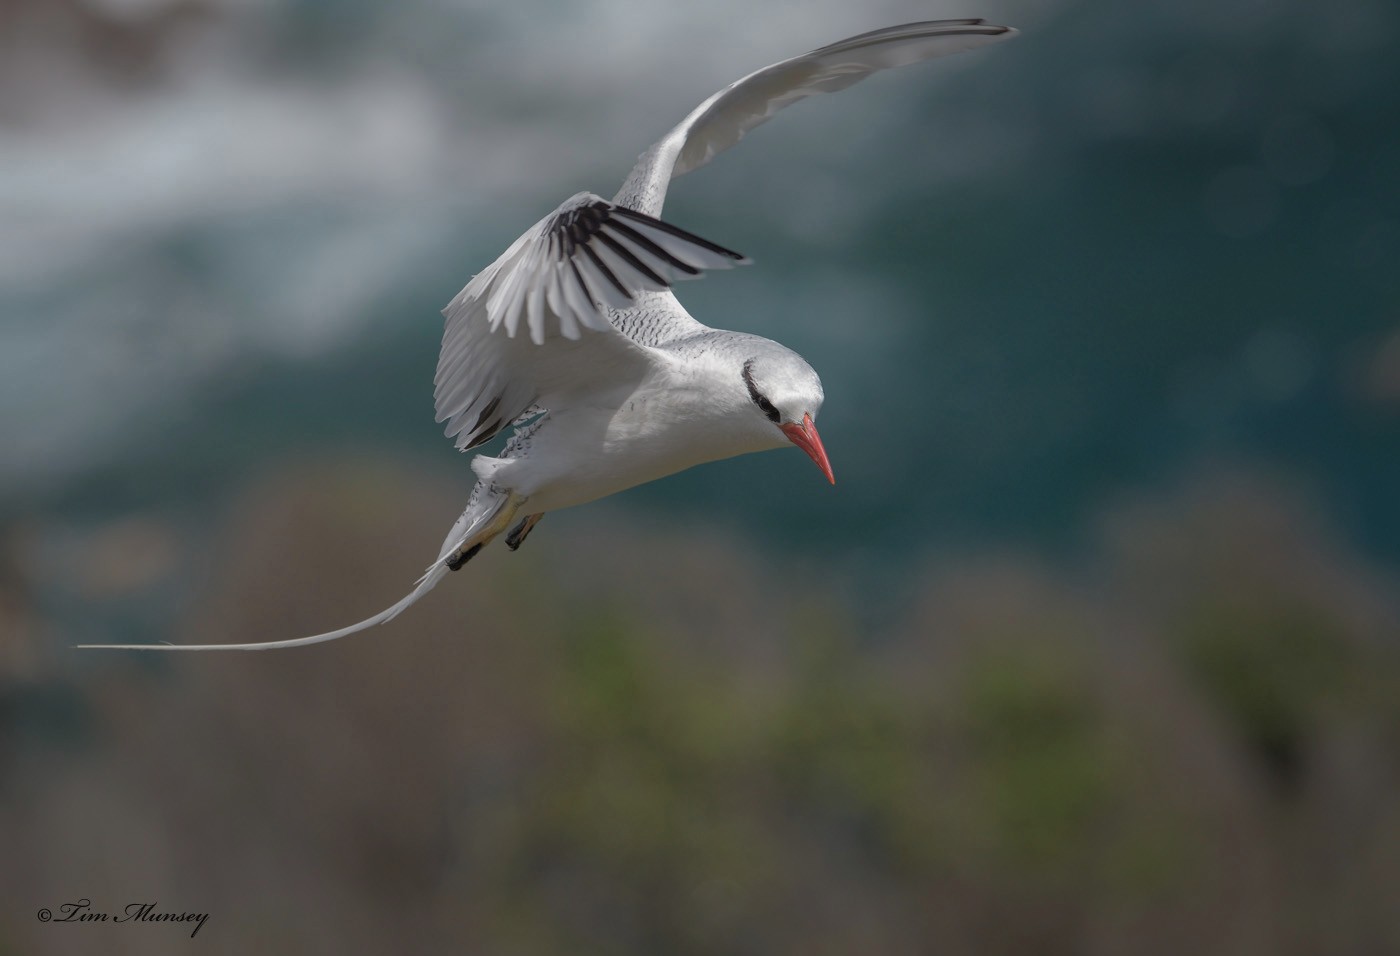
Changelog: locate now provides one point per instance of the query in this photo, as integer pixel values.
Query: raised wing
(588, 255)
(591, 255)
(723, 119)
(557, 279)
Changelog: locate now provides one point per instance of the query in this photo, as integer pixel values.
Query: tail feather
(487, 515)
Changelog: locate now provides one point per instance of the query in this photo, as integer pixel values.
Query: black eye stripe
(759, 399)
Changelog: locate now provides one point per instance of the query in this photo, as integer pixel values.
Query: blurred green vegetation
(1186, 740)
(1189, 741)
(1271, 669)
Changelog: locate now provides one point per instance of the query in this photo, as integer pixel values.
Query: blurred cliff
(1092, 650)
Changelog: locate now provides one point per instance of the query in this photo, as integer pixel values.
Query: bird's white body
(574, 336)
(683, 412)
(617, 441)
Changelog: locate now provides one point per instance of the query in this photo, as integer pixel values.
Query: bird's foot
(520, 532)
(455, 562)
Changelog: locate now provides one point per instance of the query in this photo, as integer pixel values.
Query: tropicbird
(574, 337)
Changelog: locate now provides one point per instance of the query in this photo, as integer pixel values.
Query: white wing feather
(558, 279)
(723, 119)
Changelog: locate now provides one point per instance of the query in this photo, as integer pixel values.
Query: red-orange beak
(805, 436)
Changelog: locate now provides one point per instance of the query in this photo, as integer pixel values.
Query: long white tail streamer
(493, 514)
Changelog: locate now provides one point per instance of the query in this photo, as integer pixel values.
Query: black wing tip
(631, 259)
(678, 232)
(975, 26)
(980, 27)
(582, 284)
(643, 242)
(939, 25)
(607, 272)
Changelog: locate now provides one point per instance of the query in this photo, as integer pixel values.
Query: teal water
(1119, 250)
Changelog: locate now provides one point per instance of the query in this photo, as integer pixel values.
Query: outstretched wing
(723, 119)
(560, 277)
(589, 255)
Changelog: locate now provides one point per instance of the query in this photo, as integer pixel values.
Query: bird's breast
(583, 453)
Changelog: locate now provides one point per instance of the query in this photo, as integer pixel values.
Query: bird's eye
(759, 399)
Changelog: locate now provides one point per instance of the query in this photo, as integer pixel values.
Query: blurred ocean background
(1094, 647)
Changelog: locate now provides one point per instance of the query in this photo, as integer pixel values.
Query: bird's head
(786, 395)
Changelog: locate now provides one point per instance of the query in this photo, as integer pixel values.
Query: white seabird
(574, 337)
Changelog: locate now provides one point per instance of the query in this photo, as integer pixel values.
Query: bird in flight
(574, 337)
